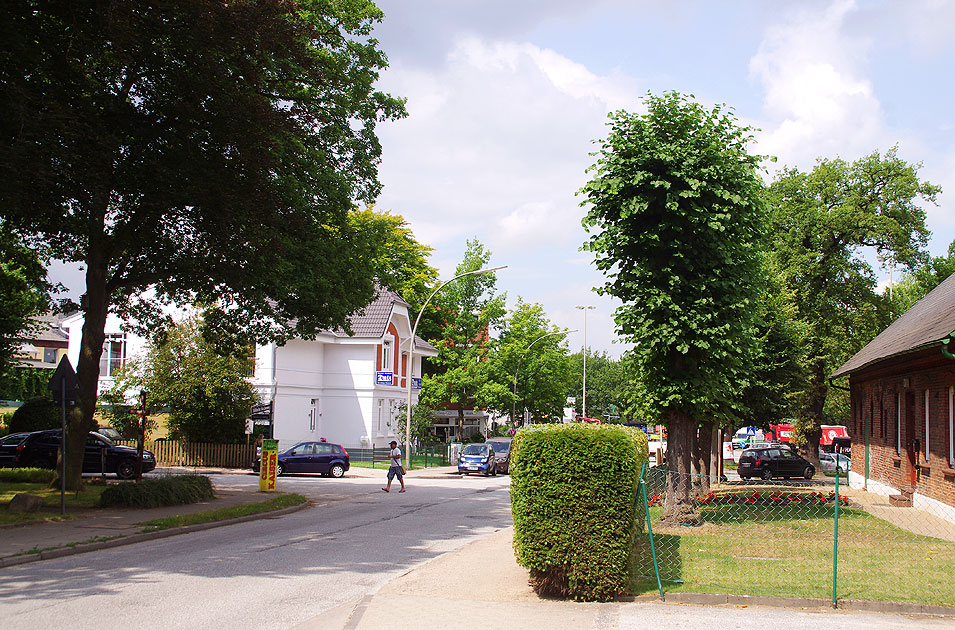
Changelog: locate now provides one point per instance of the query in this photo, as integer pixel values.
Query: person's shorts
(393, 472)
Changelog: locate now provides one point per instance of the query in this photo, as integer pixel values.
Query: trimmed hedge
(148, 493)
(573, 497)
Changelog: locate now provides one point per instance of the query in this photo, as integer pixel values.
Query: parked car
(502, 453)
(477, 458)
(773, 461)
(827, 462)
(39, 450)
(110, 434)
(8, 448)
(311, 457)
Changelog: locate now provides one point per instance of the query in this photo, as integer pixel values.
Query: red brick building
(903, 407)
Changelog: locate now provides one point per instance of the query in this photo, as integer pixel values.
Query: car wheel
(126, 469)
(279, 469)
(767, 474)
(809, 472)
(337, 471)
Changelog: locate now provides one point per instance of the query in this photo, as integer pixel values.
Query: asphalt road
(271, 573)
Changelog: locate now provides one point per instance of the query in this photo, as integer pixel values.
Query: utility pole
(583, 408)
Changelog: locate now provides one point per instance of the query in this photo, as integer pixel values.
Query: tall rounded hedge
(36, 414)
(573, 498)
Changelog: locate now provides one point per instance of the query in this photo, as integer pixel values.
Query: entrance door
(911, 448)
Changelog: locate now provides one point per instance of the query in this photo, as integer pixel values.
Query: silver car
(827, 462)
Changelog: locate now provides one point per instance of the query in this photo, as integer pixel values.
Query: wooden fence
(169, 453)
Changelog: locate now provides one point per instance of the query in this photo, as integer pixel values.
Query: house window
(898, 424)
(951, 427)
(381, 415)
(114, 355)
(49, 355)
(926, 426)
(387, 362)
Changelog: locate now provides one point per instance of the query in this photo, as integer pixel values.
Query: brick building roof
(931, 320)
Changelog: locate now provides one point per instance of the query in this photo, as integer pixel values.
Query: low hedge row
(574, 503)
(148, 493)
(27, 475)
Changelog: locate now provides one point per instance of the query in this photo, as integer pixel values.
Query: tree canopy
(207, 151)
(676, 221)
(24, 294)
(823, 221)
(468, 308)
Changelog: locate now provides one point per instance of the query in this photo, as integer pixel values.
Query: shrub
(148, 493)
(573, 497)
(36, 414)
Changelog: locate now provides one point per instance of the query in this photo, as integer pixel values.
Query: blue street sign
(415, 383)
(384, 378)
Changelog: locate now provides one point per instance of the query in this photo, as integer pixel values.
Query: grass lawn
(275, 503)
(86, 499)
(788, 551)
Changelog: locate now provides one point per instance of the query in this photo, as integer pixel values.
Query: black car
(773, 461)
(39, 450)
(502, 452)
(312, 457)
(8, 448)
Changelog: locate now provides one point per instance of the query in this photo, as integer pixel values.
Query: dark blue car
(477, 458)
(311, 457)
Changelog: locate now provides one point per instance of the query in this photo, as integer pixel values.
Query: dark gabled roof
(373, 320)
(931, 320)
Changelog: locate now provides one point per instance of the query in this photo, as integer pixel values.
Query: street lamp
(514, 402)
(583, 408)
(411, 344)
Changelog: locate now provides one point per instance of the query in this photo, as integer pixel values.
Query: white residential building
(345, 388)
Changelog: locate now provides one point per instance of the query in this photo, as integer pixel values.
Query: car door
(792, 463)
(296, 459)
(95, 454)
(325, 453)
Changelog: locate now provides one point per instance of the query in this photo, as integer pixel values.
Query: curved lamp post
(514, 402)
(411, 344)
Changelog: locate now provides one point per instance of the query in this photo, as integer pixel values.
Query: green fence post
(835, 541)
(653, 549)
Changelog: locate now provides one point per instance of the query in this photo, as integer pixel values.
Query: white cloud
(817, 101)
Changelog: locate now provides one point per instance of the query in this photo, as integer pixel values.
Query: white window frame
(926, 428)
(107, 358)
(387, 357)
(951, 426)
(898, 423)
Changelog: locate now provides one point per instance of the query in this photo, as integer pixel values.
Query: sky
(506, 100)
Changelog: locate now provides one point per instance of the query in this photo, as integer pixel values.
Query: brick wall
(890, 401)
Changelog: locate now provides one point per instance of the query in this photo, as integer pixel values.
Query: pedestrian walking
(396, 469)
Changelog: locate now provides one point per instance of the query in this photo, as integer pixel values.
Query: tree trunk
(704, 448)
(80, 420)
(679, 500)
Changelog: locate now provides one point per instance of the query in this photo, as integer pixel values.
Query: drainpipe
(945, 346)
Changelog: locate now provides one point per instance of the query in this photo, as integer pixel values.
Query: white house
(344, 388)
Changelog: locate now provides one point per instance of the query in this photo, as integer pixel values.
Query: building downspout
(945, 346)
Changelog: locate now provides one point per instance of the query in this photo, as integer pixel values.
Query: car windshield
(500, 447)
(474, 449)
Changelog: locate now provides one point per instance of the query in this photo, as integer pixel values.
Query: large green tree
(532, 350)
(915, 285)
(823, 222)
(469, 309)
(675, 216)
(207, 392)
(205, 150)
(608, 387)
(24, 294)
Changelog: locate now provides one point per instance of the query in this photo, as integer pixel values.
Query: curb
(131, 539)
(860, 605)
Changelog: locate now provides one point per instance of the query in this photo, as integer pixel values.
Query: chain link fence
(816, 538)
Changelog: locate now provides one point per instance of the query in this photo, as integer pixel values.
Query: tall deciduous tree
(210, 150)
(608, 387)
(534, 351)
(917, 284)
(469, 308)
(24, 294)
(676, 219)
(822, 221)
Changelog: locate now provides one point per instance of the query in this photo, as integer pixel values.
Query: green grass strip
(223, 514)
